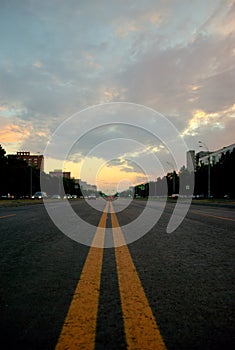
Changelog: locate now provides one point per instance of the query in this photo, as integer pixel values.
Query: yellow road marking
(141, 329)
(79, 328)
(7, 216)
(213, 216)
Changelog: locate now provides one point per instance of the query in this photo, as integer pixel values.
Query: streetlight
(202, 144)
(173, 176)
(30, 182)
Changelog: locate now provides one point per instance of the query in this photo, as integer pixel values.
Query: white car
(55, 196)
(39, 195)
(92, 196)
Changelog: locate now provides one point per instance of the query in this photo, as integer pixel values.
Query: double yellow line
(79, 329)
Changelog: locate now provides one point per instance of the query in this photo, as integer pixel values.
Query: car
(92, 196)
(55, 196)
(67, 196)
(6, 196)
(174, 196)
(39, 195)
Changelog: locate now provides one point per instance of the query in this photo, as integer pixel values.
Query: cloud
(201, 119)
(175, 57)
(162, 78)
(37, 64)
(222, 20)
(12, 132)
(113, 94)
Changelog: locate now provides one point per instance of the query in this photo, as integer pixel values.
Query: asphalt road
(186, 280)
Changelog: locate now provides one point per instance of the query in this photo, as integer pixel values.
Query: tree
(2, 152)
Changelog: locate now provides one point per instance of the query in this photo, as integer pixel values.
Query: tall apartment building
(202, 157)
(33, 160)
(213, 156)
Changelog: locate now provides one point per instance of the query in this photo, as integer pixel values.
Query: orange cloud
(13, 133)
(201, 118)
(111, 94)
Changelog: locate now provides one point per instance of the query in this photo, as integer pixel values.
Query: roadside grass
(215, 201)
(205, 201)
(5, 203)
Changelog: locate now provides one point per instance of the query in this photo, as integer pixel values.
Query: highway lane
(187, 278)
(40, 268)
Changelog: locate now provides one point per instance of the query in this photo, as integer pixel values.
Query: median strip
(79, 328)
(140, 326)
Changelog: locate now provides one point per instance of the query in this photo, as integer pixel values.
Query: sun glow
(108, 177)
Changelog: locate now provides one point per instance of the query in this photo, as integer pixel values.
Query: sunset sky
(60, 57)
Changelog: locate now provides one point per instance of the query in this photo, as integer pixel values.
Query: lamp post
(173, 176)
(30, 182)
(202, 144)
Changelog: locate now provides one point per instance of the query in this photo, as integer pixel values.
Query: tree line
(19, 180)
(222, 180)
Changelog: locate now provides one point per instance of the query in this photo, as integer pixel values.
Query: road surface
(163, 291)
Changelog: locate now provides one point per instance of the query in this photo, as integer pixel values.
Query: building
(84, 186)
(67, 174)
(203, 157)
(32, 160)
(60, 173)
(91, 187)
(191, 160)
